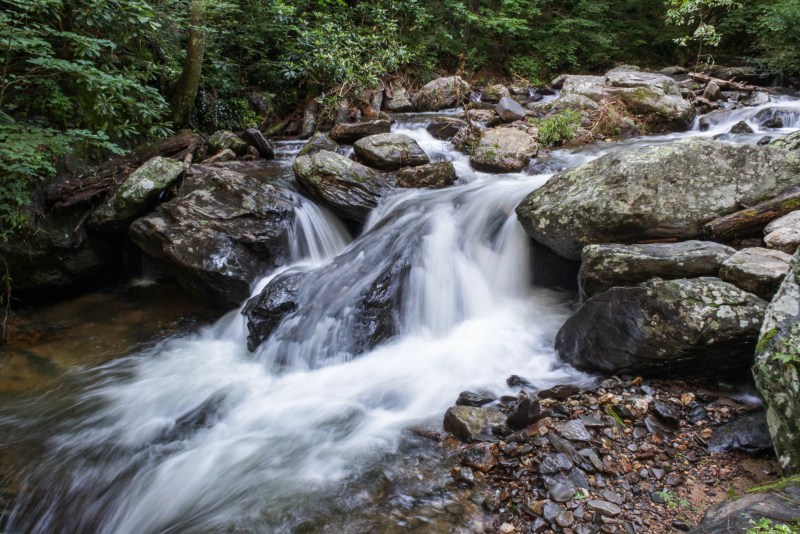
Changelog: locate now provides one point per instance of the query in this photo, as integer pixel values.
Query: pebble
(573, 430)
(613, 497)
(562, 491)
(603, 508)
(565, 519)
(507, 528)
(550, 511)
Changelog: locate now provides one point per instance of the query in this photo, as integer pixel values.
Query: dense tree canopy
(85, 77)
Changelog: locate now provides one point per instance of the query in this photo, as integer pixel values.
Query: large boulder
(319, 141)
(223, 139)
(777, 369)
(607, 266)
(591, 87)
(700, 328)
(665, 191)
(350, 132)
(442, 93)
(445, 127)
(509, 110)
(655, 95)
(757, 270)
(784, 233)
(504, 150)
(347, 187)
(397, 99)
(137, 193)
(350, 305)
(434, 175)
(390, 151)
(222, 232)
(779, 505)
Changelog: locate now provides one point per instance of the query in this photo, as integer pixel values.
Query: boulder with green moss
(653, 95)
(656, 192)
(350, 189)
(442, 93)
(504, 150)
(777, 368)
(699, 328)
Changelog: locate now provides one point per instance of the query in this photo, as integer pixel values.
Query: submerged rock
(347, 187)
(390, 151)
(220, 233)
(777, 369)
(347, 133)
(757, 270)
(504, 150)
(665, 191)
(442, 93)
(607, 266)
(137, 193)
(703, 328)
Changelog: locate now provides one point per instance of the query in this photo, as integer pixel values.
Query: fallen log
(751, 221)
(104, 179)
(723, 84)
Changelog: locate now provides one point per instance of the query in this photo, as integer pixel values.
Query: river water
(197, 434)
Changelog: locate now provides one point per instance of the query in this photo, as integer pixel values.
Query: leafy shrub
(561, 127)
(525, 67)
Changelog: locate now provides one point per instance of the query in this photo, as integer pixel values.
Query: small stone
(507, 528)
(516, 381)
(613, 497)
(657, 497)
(666, 413)
(469, 398)
(550, 510)
(681, 525)
(562, 492)
(480, 456)
(465, 476)
(559, 392)
(673, 479)
(639, 432)
(553, 463)
(573, 430)
(525, 412)
(603, 508)
(658, 473)
(565, 519)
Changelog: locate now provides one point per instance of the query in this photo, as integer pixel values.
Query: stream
(194, 433)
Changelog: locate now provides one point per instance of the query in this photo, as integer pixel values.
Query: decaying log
(103, 180)
(723, 84)
(751, 221)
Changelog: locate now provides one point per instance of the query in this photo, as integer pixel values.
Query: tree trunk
(186, 87)
(751, 221)
(310, 110)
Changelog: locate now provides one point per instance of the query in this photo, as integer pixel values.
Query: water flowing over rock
(434, 175)
(703, 328)
(504, 150)
(347, 187)
(445, 127)
(777, 369)
(607, 266)
(390, 151)
(756, 270)
(223, 231)
(347, 133)
(665, 191)
(442, 93)
(137, 193)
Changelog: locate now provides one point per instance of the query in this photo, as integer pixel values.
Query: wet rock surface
(748, 433)
(445, 127)
(699, 327)
(347, 133)
(390, 151)
(504, 150)
(433, 175)
(607, 266)
(616, 475)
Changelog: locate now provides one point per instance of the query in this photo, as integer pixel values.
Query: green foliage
(559, 128)
(526, 67)
(767, 526)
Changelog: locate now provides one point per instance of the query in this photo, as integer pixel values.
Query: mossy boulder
(349, 188)
(504, 150)
(656, 192)
(137, 193)
(390, 151)
(777, 368)
(222, 139)
(319, 141)
(656, 96)
(699, 328)
(442, 93)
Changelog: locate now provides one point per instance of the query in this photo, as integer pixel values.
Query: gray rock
(788, 142)
(442, 93)
(654, 192)
(781, 507)
(784, 233)
(220, 233)
(655, 95)
(565, 519)
(397, 99)
(776, 369)
(348, 133)
(607, 266)
(573, 430)
(222, 139)
(741, 127)
(757, 270)
(494, 93)
(700, 327)
(603, 508)
(256, 139)
(470, 398)
(504, 150)
(550, 511)
(390, 151)
(468, 422)
(220, 157)
(554, 463)
(509, 110)
(712, 91)
(748, 433)
(591, 87)
(569, 101)
(347, 187)
(445, 127)
(137, 193)
(433, 176)
(562, 491)
(525, 412)
(318, 142)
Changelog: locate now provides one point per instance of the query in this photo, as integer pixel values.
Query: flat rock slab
(607, 266)
(700, 327)
(347, 133)
(784, 233)
(390, 151)
(757, 270)
(433, 175)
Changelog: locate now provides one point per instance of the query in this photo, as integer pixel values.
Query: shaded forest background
(80, 79)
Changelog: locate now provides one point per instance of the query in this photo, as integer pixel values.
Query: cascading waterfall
(198, 434)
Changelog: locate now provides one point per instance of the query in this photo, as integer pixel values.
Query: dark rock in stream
(390, 151)
(348, 133)
(445, 127)
(748, 433)
(318, 142)
(469, 398)
(698, 327)
(220, 233)
(257, 140)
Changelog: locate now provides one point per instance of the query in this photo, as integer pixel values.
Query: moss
(778, 485)
(765, 340)
(791, 204)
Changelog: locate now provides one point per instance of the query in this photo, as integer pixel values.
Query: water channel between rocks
(195, 433)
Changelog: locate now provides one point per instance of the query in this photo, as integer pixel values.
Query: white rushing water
(200, 434)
